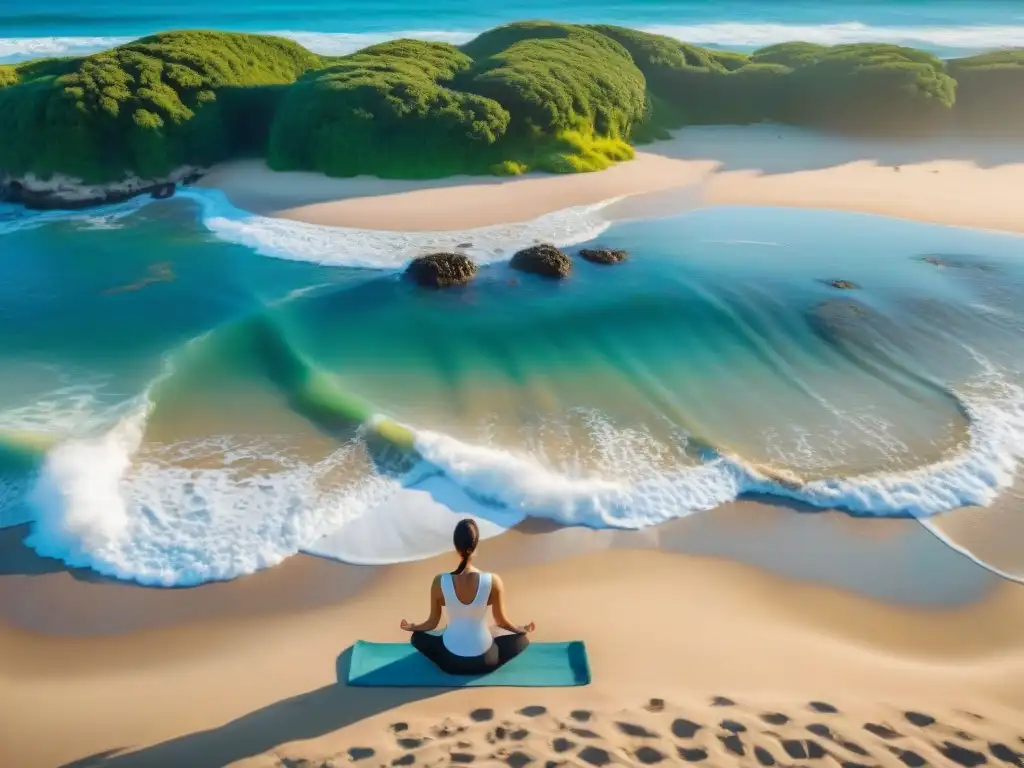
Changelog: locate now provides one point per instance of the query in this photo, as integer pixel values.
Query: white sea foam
(97, 504)
(101, 502)
(25, 48)
(735, 35)
(376, 249)
(16, 218)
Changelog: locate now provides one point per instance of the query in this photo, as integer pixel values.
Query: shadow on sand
(305, 716)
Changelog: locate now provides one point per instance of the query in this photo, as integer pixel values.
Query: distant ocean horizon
(948, 28)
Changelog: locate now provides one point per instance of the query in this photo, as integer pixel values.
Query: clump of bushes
(989, 93)
(387, 110)
(526, 96)
(146, 107)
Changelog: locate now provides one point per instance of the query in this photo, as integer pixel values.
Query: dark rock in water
(544, 260)
(956, 261)
(464, 245)
(439, 270)
(842, 285)
(192, 178)
(603, 255)
(163, 191)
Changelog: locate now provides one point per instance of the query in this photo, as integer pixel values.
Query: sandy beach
(948, 181)
(760, 634)
(755, 634)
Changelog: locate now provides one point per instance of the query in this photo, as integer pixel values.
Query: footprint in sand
(732, 726)
(822, 730)
(775, 718)
(518, 734)
(764, 757)
(411, 743)
(803, 749)
(823, 707)
(584, 733)
(635, 730)
(398, 727)
(919, 719)
(518, 760)
(881, 731)
(649, 755)
(581, 715)
(961, 755)
(480, 715)
(722, 701)
(407, 759)
(562, 744)
(685, 729)
(356, 754)
(534, 710)
(1006, 754)
(594, 756)
(695, 755)
(446, 730)
(462, 758)
(908, 757)
(734, 744)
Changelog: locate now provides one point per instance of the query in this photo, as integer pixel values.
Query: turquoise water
(948, 27)
(192, 392)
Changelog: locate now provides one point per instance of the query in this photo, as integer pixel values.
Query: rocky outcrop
(842, 285)
(603, 255)
(440, 270)
(63, 193)
(544, 260)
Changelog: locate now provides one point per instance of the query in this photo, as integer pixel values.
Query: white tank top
(467, 633)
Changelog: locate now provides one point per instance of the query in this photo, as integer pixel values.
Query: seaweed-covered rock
(841, 285)
(544, 260)
(163, 191)
(439, 270)
(603, 255)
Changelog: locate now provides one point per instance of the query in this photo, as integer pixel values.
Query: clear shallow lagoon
(187, 388)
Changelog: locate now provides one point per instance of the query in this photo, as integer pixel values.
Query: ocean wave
(951, 40)
(378, 249)
(101, 502)
(15, 218)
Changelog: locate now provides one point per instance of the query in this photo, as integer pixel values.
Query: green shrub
(508, 168)
(870, 88)
(8, 75)
(990, 92)
(387, 110)
(792, 55)
(146, 107)
(557, 77)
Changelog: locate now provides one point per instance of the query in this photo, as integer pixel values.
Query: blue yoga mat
(399, 665)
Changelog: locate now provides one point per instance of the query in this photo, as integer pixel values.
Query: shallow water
(193, 393)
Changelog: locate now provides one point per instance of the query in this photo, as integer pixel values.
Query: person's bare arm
(497, 600)
(436, 601)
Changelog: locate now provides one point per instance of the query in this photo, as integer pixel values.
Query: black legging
(503, 649)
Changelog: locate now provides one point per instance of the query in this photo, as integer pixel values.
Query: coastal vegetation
(520, 97)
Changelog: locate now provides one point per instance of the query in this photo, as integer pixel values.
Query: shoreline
(248, 669)
(958, 182)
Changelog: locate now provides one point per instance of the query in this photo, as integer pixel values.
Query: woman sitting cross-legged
(467, 647)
